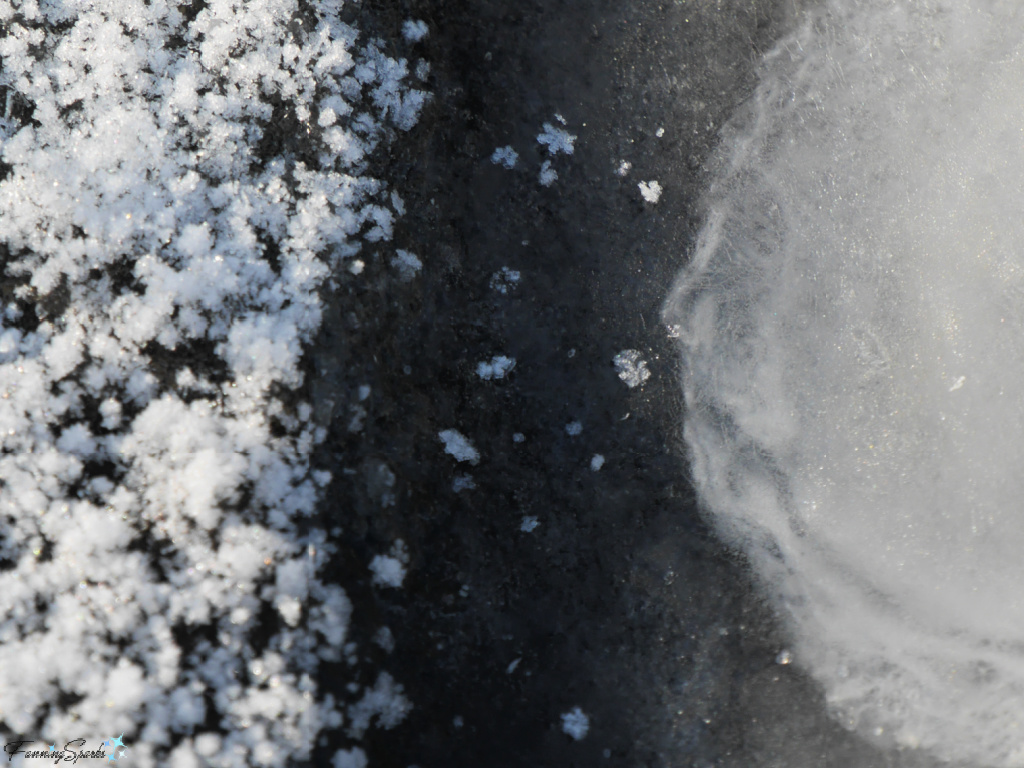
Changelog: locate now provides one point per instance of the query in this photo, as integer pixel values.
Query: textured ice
(854, 363)
(163, 265)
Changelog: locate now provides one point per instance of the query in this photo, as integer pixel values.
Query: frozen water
(854, 363)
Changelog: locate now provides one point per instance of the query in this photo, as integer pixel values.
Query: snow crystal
(548, 175)
(389, 570)
(504, 280)
(529, 523)
(660, 132)
(414, 31)
(157, 197)
(596, 462)
(505, 156)
(650, 191)
(631, 367)
(574, 428)
(575, 723)
(497, 368)
(456, 444)
(556, 140)
(407, 264)
(518, 437)
(624, 168)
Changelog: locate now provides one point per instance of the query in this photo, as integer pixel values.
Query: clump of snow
(155, 215)
(389, 570)
(529, 523)
(623, 168)
(596, 462)
(415, 30)
(556, 140)
(505, 156)
(660, 132)
(497, 368)
(458, 445)
(650, 191)
(463, 483)
(504, 280)
(350, 758)
(548, 175)
(518, 437)
(575, 723)
(407, 264)
(631, 367)
(574, 428)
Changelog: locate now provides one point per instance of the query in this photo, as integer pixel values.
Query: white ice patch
(575, 723)
(505, 157)
(854, 363)
(497, 368)
(631, 367)
(458, 445)
(650, 191)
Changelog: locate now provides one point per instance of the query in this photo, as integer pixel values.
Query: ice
(854, 367)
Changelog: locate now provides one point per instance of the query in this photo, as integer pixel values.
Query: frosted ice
(631, 367)
(458, 445)
(150, 506)
(854, 366)
(575, 723)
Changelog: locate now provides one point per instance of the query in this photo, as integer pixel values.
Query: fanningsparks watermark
(71, 752)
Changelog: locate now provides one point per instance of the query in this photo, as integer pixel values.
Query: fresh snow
(556, 140)
(547, 175)
(596, 462)
(631, 367)
(414, 31)
(650, 191)
(155, 508)
(575, 723)
(505, 157)
(497, 368)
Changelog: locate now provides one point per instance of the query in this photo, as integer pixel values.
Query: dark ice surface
(621, 601)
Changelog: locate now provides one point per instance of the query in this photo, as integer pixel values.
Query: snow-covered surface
(496, 368)
(575, 723)
(650, 191)
(631, 367)
(458, 445)
(162, 272)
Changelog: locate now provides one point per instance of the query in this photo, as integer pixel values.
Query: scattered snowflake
(463, 483)
(556, 140)
(660, 132)
(548, 175)
(631, 367)
(458, 445)
(505, 156)
(497, 368)
(650, 190)
(389, 570)
(529, 523)
(415, 31)
(596, 462)
(624, 168)
(573, 428)
(575, 723)
(518, 437)
(512, 666)
(407, 264)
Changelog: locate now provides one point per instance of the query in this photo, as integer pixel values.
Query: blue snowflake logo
(115, 744)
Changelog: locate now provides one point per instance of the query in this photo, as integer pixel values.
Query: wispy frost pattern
(174, 194)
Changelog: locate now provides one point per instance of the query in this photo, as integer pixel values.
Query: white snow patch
(623, 168)
(505, 157)
(497, 368)
(631, 367)
(458, 445)
(650, 191)
(575, 723)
